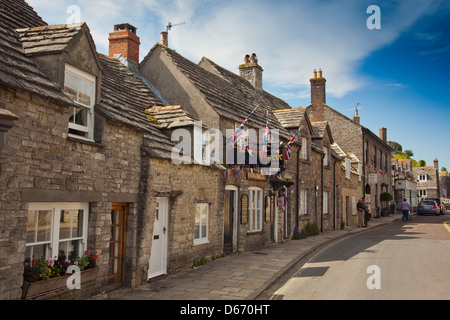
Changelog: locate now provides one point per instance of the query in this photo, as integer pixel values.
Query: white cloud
(291, 38)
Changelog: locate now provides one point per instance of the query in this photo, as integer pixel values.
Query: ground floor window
(422, 193)
(255, 206)
(303, 201)
(56, 229)
(325, 202)
(201, 223)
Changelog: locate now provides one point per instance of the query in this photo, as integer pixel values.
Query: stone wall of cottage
(185, 186)
(39, 163)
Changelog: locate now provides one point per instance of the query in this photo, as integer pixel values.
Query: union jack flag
(266, 134)
(240, 130)
(289, 145)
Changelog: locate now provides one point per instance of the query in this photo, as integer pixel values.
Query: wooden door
(117, 245)
(158, 255)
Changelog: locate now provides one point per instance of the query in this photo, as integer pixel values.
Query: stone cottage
(259, 208)
(372, 150)
(84, 169)
(427, 178)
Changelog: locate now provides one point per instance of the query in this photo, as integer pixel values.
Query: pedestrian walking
(405, 209)
(361, 207)
(366, 213)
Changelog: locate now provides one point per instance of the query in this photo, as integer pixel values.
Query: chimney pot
(124, 41)
(251, 71)
(320, 73)
(315, 73)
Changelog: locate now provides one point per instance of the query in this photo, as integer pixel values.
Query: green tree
(422, 163)
(444, 169)
(409, 153)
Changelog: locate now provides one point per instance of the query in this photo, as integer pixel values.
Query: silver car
(428, 207)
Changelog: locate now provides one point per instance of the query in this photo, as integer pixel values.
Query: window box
(34, 290)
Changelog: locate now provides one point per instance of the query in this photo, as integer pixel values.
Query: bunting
(240, 130)
(288, 150)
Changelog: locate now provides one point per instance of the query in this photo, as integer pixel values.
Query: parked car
(439, 203)
(428, 207)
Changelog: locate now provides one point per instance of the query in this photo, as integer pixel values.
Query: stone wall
(39, 163)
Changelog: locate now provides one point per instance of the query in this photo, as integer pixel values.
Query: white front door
(158, 255)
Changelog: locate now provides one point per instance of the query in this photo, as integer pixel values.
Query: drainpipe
(334, 194)
(364, 166)
(297, 181)
(321, 192)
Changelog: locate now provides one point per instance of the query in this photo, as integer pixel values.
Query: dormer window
(80, 87)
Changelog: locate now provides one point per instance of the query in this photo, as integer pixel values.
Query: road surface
(402, 260)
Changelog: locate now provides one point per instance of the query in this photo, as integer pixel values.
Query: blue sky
(399, 74)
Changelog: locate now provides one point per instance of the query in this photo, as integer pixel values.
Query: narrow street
(402, 260)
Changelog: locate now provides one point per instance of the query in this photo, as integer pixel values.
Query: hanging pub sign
(244, 209)
(268, 208)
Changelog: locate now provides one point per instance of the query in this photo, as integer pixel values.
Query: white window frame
(423, 177)
(325, 159)
(255, 209)
(325, 202)
(57, 208)
(422, 193)
(303, 202)
(200, 208)
(348, 168)
(89, 129)
(304, 152)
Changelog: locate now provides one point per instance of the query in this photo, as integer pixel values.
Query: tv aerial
(170, 25)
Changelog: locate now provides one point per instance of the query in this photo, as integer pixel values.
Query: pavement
(238, 276)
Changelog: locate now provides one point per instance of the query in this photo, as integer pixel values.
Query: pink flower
(75, 263)
(51, 262)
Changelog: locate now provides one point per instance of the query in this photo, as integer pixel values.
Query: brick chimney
(124, 41)
(317, 95)
(252, 71)
(383, 134)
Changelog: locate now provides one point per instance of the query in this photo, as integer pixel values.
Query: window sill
(254, 232)
(200, 242)
(74, 138)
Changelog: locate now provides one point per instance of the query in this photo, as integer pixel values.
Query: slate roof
(320, 128)
(231, 96)
(170, 117)
(47, 39)
(124, 98)
(16, 70)
(290, 118)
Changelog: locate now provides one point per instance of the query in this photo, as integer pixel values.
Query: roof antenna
(170, 25)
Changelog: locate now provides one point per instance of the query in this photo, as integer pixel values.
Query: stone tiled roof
(319, 129)
(47, 39)
(16, 70)
(231, 96)
(171, 117)
(18, 14)
(290, 118)
(124, 98)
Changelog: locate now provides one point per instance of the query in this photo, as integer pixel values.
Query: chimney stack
(356, 116)
(124, 41)
(383, 134)
(252, 71)
(436, 163)
(318, 99)
(165, 38)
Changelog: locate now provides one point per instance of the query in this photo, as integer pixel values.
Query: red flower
(95, 257)
(86, 252)
(33, 262)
